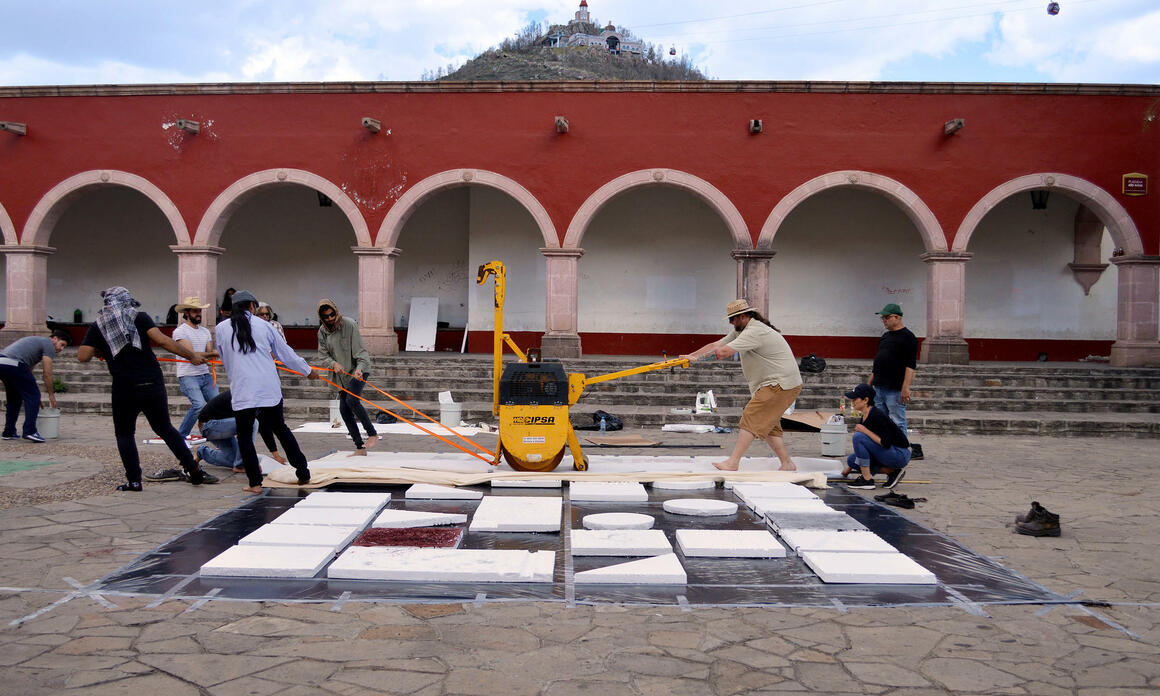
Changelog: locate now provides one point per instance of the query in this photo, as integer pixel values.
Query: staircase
(1065, 399)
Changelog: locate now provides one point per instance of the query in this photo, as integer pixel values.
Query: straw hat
(737, 307)
(192, 302)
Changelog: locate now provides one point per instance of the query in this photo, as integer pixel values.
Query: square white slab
(396, 519)
(607, 491)
(771, 489)
(301, 535)
(334, 499)
(889, 568)
(802, 540)
(526, 483)
(428, 491)
(255, 561)
(729, 543)
(682, 485)
(658, 570)
(764, 506)
(408, 564)
(330, 517)
(500, 513)
(833, 521)
(619, 542)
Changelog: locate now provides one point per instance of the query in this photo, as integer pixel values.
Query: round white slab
(700, 507)
(683, 485)
(618, 520)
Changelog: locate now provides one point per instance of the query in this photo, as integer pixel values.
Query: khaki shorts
(762, 415)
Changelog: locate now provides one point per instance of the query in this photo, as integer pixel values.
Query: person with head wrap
(341, 344)
(121, 336)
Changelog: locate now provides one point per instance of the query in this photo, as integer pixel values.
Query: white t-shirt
(199, 338)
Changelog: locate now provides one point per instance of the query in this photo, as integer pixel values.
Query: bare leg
(372, 441)
(777, 444)
(744, 439)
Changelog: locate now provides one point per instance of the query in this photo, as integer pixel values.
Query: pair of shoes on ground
(1038, 521)
(198, 477)
(891, 481)
(31, 437)
(899, 500)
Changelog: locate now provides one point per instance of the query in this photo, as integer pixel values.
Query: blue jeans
(21, 390)
(198, 389)
(890, 400)
(223, 435)
(871, 454)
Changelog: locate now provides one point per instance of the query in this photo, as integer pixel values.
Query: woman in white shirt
(248, 347)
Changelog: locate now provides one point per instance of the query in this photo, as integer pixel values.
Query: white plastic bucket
(335, 414)
(450, 414)
(48, 423)
(833, 439)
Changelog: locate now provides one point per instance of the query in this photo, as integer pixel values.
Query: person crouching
(880, 446)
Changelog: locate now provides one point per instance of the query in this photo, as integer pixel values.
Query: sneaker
(915, 452)
(166, 475)
(206, 477)
(1040, 522)
(192, 440)
(303, 476)
(862, 484)
(13, 436)
(195, 477)
(34, 437)
(130, 486)
(894, 477)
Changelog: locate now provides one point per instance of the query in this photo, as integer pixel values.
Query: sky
(62, 42)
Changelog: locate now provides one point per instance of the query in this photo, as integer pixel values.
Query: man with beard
(341, 344)
(195, 381)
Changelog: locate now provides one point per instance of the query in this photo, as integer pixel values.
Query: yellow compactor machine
(531, 397)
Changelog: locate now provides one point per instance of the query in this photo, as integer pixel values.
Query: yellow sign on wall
(1135, 184)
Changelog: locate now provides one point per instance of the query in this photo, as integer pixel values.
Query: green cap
(891, 309)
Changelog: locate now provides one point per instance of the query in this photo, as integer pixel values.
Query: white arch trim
(46, 213)
(6, 227)
(707, 192)
(409, 202)
(217, 216)
(919, 213)
(1120, 225)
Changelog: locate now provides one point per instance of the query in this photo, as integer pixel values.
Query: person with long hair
(248, 347)
(774, 380)
(227, 304)
(121, 336)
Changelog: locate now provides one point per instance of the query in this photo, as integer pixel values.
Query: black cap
(862, 391)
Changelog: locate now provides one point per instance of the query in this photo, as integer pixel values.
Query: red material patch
(425, 537)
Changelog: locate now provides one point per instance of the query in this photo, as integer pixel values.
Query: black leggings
(272, 419)
(148, 399)
(351, 409)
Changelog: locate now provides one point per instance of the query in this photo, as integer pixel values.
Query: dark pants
(350, 408)
(20, 387)
(270, 418)
(148, 399)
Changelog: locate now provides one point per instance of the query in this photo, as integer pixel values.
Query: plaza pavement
(1106, 491)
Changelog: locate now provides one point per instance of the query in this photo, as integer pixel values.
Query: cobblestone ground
(62, 527)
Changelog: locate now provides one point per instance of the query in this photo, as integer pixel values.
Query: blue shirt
(253, 376)
(29, 350)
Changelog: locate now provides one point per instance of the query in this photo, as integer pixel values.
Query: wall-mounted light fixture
(189, 126)
(13, 127)
(954, 126)
(374, 125)
(1039, 199)
(756, 126)
(561, 124)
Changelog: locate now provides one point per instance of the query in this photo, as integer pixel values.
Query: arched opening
(9, 232)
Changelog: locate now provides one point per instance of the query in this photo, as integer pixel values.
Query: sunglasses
(331, 315)
(263, 314)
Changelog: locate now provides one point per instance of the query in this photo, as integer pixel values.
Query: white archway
(7, 228)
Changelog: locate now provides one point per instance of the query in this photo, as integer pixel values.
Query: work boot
(915, 451)
(1039, 521)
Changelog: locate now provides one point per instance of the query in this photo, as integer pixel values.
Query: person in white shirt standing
(195, 381)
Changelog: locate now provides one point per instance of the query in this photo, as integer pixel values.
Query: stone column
(376, 293)
(945, 307)
(1136, 311)
(753, 277)
(561, 339)
(26, 269)
(197, 275)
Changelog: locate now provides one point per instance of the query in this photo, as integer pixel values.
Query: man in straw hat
(772, 373)
(195, 381)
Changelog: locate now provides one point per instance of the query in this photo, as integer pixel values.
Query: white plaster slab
(472, 466)
(332, 537)
(675, 485)
(428, 491)
(256, 561)
(618, 520)
(729, 543)
(700, 507)
(400, 428)
(607, 491)
(802, 540)
(526, 483)
(397, 519)
(499, 513)
(619, 542)
(330, 517)
(764, 506)
(771, 489)
(421, 329)
(832, 521)
(891, 568)
(334, 499)
(658, 570)
(409, 564)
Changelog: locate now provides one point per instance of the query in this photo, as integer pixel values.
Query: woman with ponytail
(245, 344)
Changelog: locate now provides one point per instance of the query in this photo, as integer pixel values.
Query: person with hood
(121, 336)
(248, 347)
(340, 343)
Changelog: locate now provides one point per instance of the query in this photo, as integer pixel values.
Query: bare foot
(239, 469)
(256, 490)
(372, 441)
(360, 452)
(727, 465)
(783, 467)
(845, 472)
